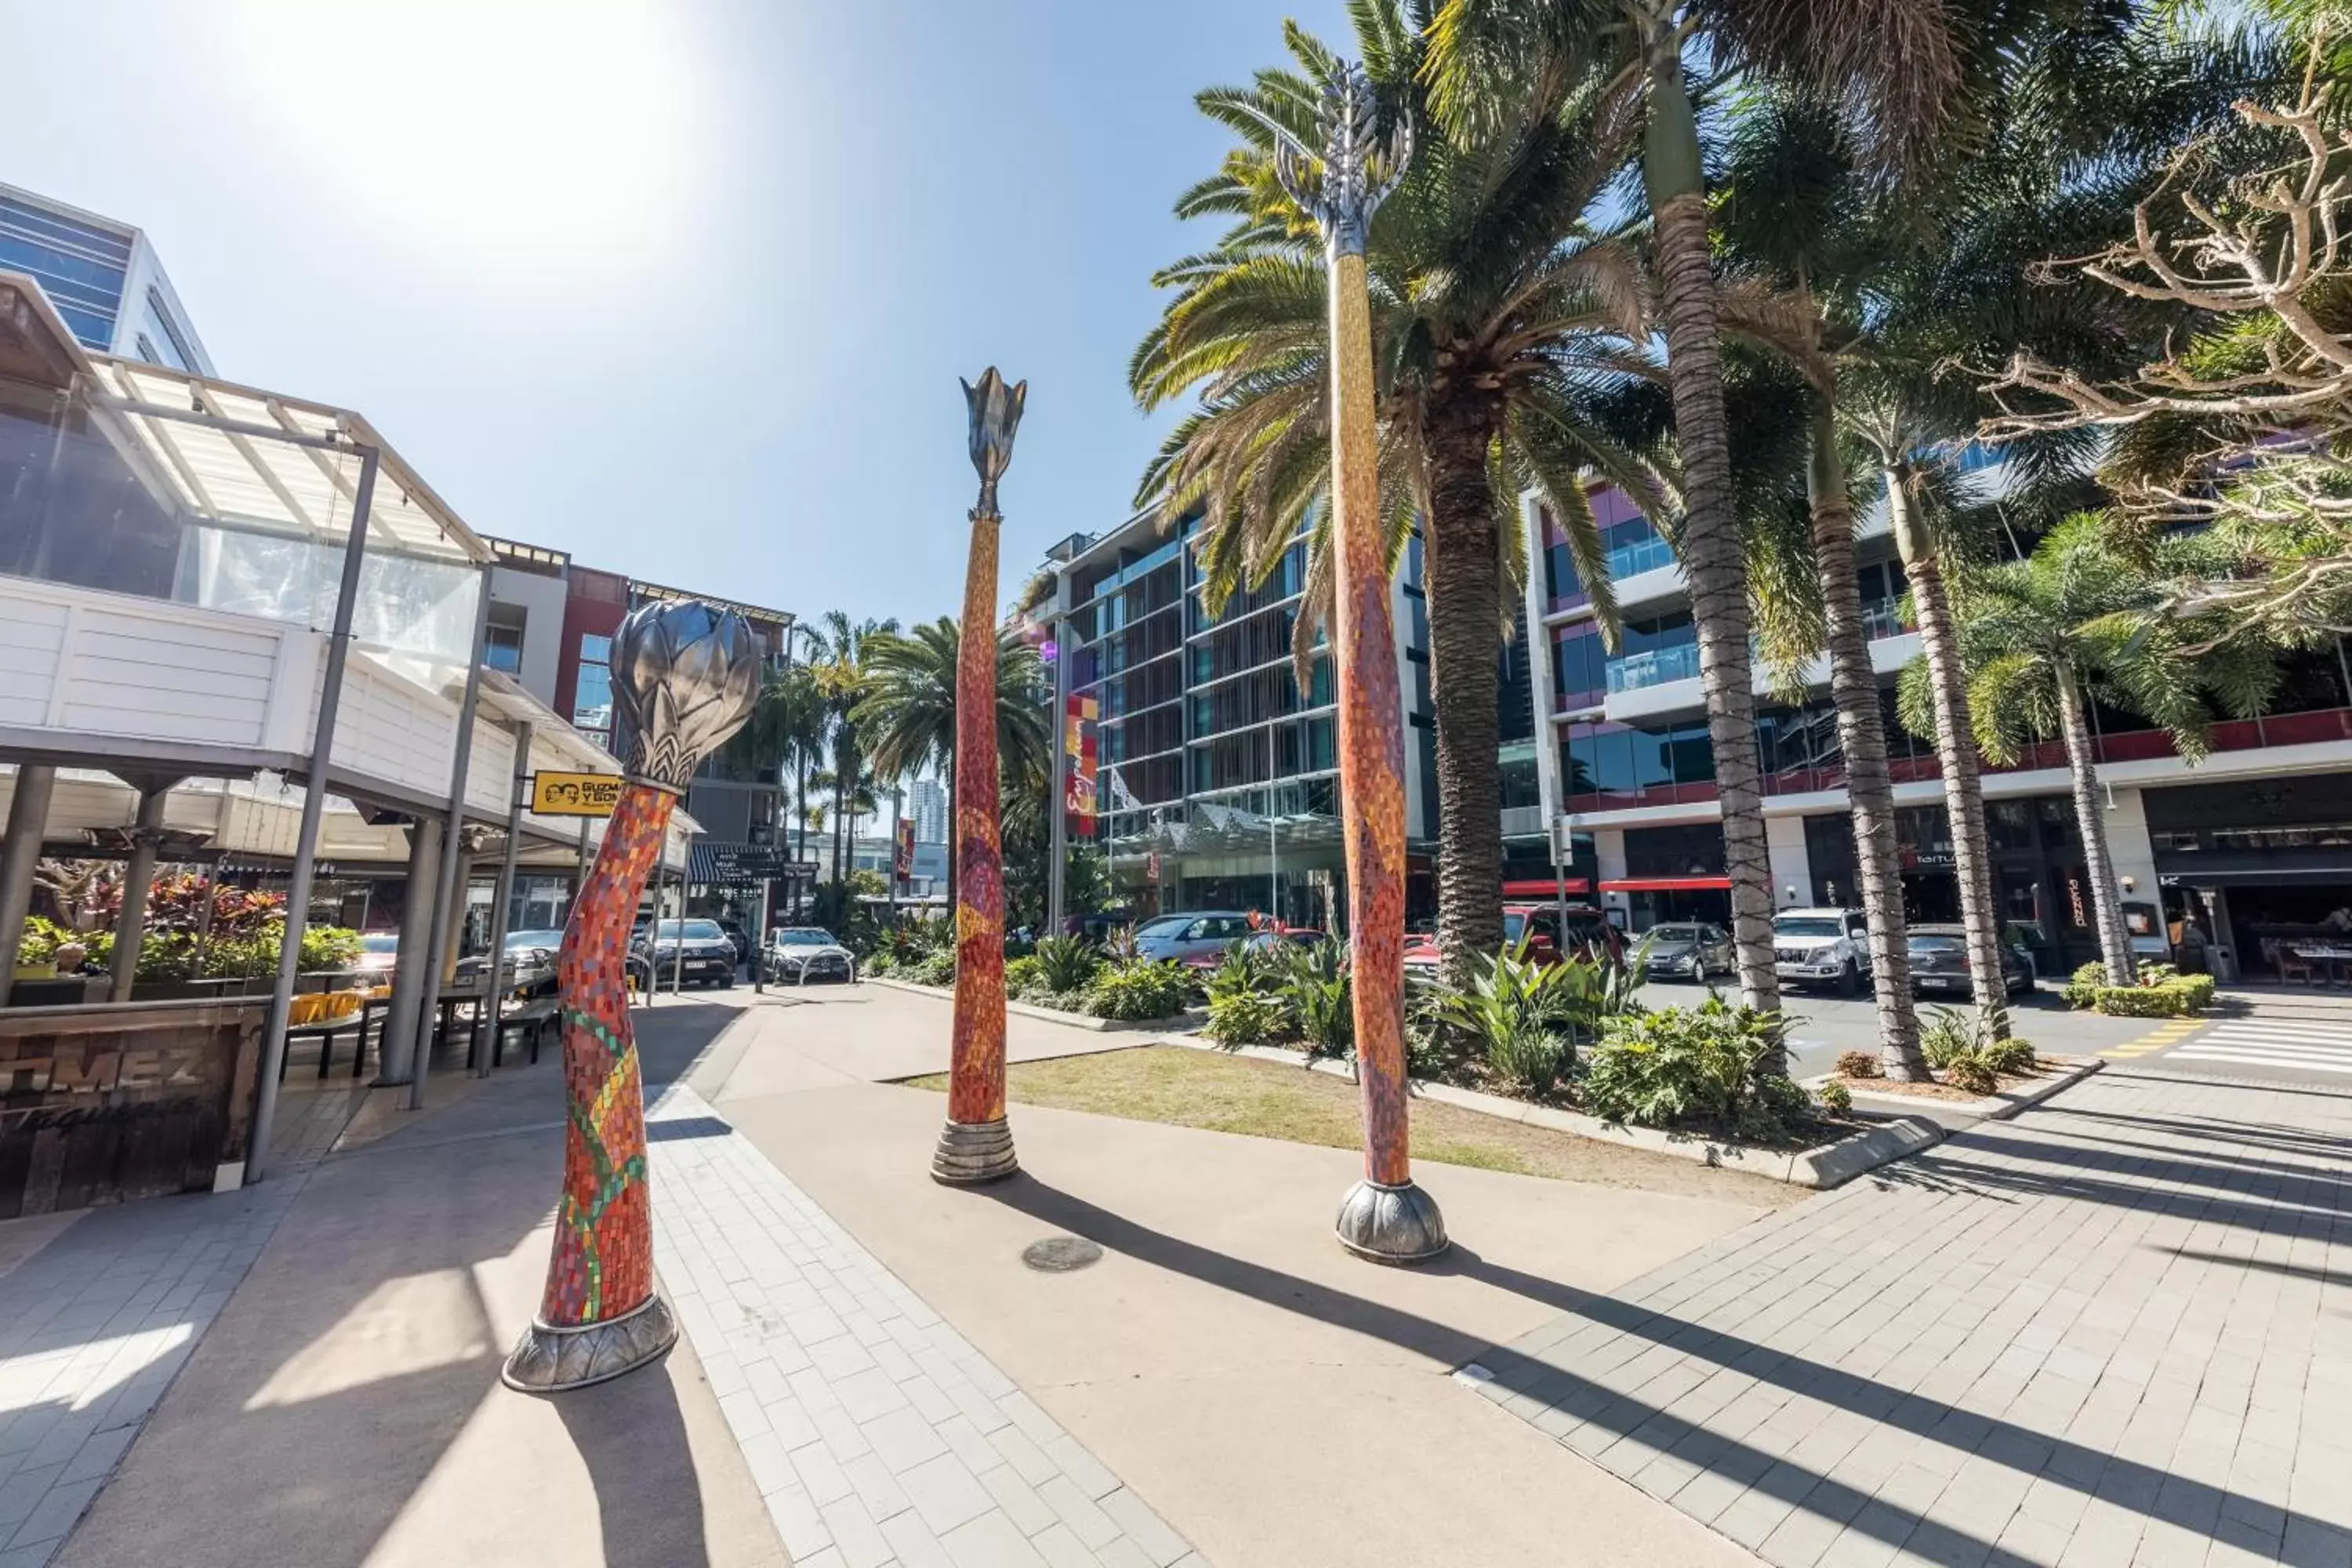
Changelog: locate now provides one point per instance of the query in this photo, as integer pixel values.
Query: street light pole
(1385, 1216)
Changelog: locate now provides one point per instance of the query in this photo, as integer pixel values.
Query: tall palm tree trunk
(2106, 906)
(1710, 548)
(1862, 733)
(1464, 585)
(1956, 751)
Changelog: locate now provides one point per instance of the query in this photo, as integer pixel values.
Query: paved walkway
(2117, 1331)
(876, 1433)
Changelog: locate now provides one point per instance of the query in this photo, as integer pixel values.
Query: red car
(1589, 934)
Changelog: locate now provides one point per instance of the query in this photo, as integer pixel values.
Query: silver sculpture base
(1391, 1224)
(974, 1152)
(548, 1358)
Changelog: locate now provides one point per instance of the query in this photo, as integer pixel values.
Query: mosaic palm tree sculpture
(976, 1144)
(685, 677)
(1384, 1216)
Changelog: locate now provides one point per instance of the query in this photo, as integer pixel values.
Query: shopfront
(1672, 874)
(2258, 866)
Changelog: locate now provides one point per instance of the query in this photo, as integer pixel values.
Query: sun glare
(532, 138)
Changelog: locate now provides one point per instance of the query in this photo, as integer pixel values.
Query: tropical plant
(1021, 975)
(837, 663)
(1860, 1064)
(1504, 310)
(1525, 1018)
(1834, 1099)
(1067, 962)
(785, 734)
(39, 941)
(1316, 989)
(1246, 1018)
(933, 968)
(2041, 639)
(1138, 989)
(1702, 1067)
(907, 709)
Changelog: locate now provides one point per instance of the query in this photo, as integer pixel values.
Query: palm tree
(906, 712)
(836, 664)
(1501, 313)
(1911, 75)
(2042, 637)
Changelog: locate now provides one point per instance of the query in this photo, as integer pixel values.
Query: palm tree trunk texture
(976, 1082)
(1465, 687)
(1371, 736)
(1955, 751)
(2099, 867)
(1861, 734)
(1718, 574)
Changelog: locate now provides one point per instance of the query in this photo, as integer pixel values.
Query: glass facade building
(1218, 784)
(103, 277)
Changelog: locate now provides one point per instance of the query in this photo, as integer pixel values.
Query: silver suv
(1822, 947)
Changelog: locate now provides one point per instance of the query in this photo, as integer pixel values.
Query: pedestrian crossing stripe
(2308, 1048)
(2162, 1037)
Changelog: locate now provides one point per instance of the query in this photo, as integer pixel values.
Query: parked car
(741, 938)
(1590, 935)
(1939, 961)
(529, 967)
(697, 953)
(1691, 951)
(1262, 940)
(1096, 928)
(1822, 947)
(1180, 937)
(803, 954)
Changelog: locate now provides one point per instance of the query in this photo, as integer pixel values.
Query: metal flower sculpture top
(996, 415)
(1359, 172)
(685, 677)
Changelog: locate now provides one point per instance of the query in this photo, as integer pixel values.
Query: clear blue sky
(681, 286)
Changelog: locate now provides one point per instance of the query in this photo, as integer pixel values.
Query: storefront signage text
(574, 794)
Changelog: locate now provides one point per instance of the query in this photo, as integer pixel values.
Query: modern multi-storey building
(2254, 844)
(927, 803)
(552, 626)
(1219, 781)
(104, 278)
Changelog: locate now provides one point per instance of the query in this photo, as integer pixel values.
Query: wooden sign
(574, 794)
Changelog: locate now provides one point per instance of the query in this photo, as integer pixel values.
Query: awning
(1543, 887)
(1664, 884)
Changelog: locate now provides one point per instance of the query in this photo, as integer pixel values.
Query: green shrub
(1020, 974)
(1246, 1018)
(1066, 963)
(1969, 1069)
(1534, 1062)
(2010, 1056)
(932, 968)
(1860, 1064)
(39, 941)
(2168, 999)
(882, 962)
(1834, 1098)
(1524, 1019)
(1319, 996)
(325, 947)
(1696, 1068)
(1138, 989)
(1947, 1033)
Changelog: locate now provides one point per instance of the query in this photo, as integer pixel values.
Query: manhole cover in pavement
(1060, 1254)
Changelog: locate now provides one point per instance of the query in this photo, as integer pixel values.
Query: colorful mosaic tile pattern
(603, 1262)
(976, 1081)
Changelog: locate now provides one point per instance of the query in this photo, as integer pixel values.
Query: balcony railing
(1639, 671)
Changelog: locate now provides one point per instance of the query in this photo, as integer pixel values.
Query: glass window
(595, 648)
(502, 648)
(1694, 754)
(592, 708)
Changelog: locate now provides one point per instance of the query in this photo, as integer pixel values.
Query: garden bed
(2016, 1090)
(1233, 1092)
(1844, 1149)
(1050, 1014)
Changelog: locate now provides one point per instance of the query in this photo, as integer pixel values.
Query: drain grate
(1061, 1254)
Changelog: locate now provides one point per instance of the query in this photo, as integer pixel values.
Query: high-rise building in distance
(927, 800)
(104, 278)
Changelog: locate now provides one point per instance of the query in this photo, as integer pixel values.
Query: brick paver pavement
(2116, 1331)
(876, 1433)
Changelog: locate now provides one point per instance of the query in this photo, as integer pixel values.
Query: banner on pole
(902, 853)
(1079, 744)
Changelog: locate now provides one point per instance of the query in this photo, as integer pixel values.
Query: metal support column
(20, 853)
(449, 892)
(137, 880)
(1057, 802)
(411, 980)
(489, 1012)
(677, 953)
(314, 806)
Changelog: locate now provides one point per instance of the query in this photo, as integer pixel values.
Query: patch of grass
(1265, 1100)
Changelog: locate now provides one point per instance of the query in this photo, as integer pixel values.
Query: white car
(1822, 947)
(1182, 937)
(803, 954)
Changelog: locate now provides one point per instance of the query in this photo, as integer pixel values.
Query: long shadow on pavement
(2307, 1542)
